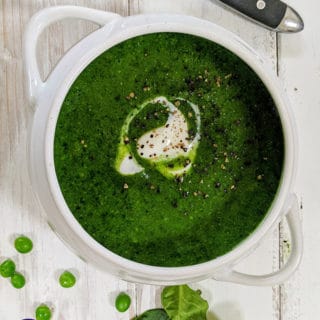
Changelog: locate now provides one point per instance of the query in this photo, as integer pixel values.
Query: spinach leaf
(154, 314)
(183, 303)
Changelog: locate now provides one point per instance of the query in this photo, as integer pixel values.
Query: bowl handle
(38, 23)
(285, 271)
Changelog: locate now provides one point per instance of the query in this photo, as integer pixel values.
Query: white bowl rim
(122, 30)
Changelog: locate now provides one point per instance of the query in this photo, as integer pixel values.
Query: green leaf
(154, 314)
(183, 303)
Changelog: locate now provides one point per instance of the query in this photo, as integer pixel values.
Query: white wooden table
(295, 58)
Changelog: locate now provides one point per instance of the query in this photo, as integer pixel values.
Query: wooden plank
(299, 61)
(228, 301)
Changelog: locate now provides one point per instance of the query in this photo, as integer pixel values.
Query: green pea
(7, 268)
(23, 244)
(67, 279)
(18, 280)
(123, 302)
(43, 312)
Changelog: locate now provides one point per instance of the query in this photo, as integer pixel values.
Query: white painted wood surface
(296, 58)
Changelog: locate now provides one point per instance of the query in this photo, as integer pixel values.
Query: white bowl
(47, 98)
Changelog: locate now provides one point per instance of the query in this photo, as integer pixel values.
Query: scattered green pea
(43, 312)
(23, 244)
(7, 268)
(18, 280)
(67, 279)
(123, 302)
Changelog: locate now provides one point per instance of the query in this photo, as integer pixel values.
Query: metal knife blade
(272, 14)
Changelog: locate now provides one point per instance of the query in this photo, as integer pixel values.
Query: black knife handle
(267, 12)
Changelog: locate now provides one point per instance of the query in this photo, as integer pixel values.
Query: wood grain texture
(299, 69)
(93, 296)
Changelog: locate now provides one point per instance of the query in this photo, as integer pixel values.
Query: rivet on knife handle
(273, 14)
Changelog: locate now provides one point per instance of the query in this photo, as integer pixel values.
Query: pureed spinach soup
(168, 149)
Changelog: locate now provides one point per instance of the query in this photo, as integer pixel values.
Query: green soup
(168, 149)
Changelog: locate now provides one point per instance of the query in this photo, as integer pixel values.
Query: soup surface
(168, 150)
